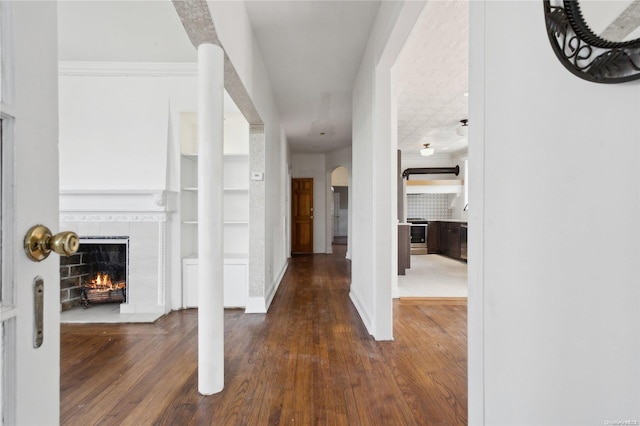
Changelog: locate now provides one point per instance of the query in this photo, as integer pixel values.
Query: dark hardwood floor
(309, 361)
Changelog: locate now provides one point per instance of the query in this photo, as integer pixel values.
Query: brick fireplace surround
(141, 216)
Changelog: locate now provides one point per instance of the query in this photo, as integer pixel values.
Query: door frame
(293, 218)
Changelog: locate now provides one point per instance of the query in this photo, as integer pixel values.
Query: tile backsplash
(429, 206)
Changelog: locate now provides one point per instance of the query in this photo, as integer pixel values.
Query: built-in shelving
(236, 228)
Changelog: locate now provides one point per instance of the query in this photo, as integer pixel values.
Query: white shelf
(236, 227)
(192, 189)
(192, 157)
(195, 156)
(226, 222)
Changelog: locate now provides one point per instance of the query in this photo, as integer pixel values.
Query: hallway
(308, 361)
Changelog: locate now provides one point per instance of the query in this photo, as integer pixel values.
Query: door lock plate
(38, 311)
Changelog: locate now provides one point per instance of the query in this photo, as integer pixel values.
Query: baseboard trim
(142, 308)
(364, 314)
(255, 305)
(260, 305)
(433, 300)
(395, 291)
(276, 285)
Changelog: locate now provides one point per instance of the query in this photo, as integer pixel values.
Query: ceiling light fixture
(426, 151)
(464, 128)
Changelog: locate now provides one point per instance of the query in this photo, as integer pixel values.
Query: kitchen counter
(448, 220)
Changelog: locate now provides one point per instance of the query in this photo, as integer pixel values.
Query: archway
(339, 206)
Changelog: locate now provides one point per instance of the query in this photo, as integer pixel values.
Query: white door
(30, 391)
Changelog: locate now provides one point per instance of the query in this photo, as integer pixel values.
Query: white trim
(276, 285)
(142, 308)
(364, 314)
(395, 291)
(113, 217)
(255, 305)
(260, 305)
(127, 69)
(117, 205)
(475, 302)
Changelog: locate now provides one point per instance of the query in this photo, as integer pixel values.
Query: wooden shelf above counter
(433, 182)
(435, 186)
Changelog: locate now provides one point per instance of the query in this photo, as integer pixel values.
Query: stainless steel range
(419, 231)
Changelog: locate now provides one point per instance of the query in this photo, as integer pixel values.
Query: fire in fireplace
(105, 262)
(101, 288)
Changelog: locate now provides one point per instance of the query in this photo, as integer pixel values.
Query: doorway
(302, 215)
(339, 205)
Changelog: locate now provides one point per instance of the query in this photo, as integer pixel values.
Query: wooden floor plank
(309, 361)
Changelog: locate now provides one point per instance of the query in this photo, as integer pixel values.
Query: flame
(102, 282)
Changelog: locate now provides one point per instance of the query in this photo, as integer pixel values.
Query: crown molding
(127, 69)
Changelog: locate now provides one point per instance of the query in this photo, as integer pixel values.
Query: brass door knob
(38, 243)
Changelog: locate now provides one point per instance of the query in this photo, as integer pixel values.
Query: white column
(210, 219)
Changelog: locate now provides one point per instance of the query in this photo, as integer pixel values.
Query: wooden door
(302, 215)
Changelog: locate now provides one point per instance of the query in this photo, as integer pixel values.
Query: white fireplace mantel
(142, 216)
(116, 205)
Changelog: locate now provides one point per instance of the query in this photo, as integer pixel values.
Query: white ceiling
(312, 50)
(432, 74)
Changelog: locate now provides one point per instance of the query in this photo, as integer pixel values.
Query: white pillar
(210, 219)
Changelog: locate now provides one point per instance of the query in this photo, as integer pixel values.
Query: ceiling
(312, 51)
(432, 75)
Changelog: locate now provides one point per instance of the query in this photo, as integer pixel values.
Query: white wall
(554, 295)
(374, 176)
(314, 166)
(234, 32)
(103, 117)
(340, 176)
(120, 129)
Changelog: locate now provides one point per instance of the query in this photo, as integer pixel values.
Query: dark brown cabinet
(463, 241)
(404, 248)
(433, 237)
(448, 238)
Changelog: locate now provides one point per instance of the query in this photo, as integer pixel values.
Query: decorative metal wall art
(584, 53)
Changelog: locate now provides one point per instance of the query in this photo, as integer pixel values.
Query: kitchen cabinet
(404, 248)
(463, 241)
(447, 238)
(433, 237)
(450, 239)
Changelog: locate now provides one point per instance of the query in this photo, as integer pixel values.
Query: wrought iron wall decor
(584, 53)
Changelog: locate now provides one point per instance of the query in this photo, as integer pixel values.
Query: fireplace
(144, 216)
(97, 273)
